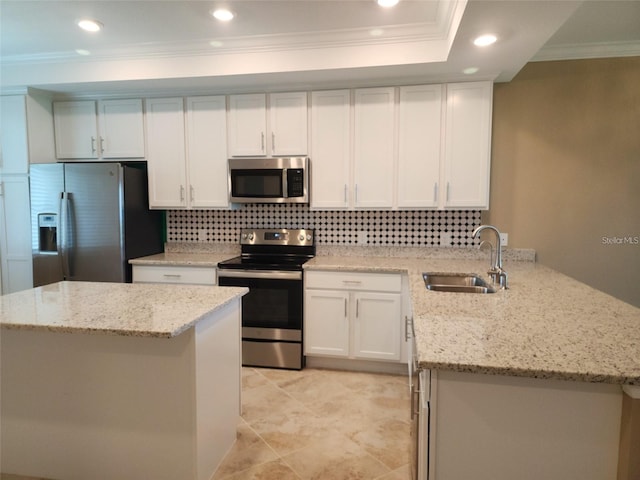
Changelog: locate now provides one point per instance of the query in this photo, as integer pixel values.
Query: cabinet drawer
(163, 274)
(342, 280)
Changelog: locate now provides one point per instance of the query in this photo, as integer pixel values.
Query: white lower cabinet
(353, 315)
(174, 274)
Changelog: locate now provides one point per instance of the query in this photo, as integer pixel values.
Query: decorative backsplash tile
(406, 228)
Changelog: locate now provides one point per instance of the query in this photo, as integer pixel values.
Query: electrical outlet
(504, 239)
(445, 239)
(202, 235)
(362, 238)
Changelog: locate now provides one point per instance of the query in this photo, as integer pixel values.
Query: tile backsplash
(407, 228)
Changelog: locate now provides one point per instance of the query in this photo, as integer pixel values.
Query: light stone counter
(194, 259)
(142, 310)
(546, 325)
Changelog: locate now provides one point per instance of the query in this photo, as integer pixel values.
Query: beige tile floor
(320, 425)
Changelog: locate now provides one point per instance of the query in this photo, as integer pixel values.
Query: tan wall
(565, 168)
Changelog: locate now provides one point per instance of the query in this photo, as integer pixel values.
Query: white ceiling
(159, 47)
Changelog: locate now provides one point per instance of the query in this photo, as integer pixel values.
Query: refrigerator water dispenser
(47, 233)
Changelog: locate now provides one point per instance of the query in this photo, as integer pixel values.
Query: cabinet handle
(172, 275)
(101, 145)
(415, 402)
(273, 141)
(435, 192)
(262, 141)
(345, 308)
(345, 193)
(352, 282)
(356, 194)
(181, 193)
(357, 308)
(93, 144)
(191, 193)
(447, 191)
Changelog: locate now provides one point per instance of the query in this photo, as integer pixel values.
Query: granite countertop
(141, 310)
(546, 325)
(205, 259)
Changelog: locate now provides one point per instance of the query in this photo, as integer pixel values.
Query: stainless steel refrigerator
(89, 219)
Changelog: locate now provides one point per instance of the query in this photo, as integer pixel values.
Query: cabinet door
(166, 153)
(377, 326)
(121, 128)
(247, 125)
(419, 132)
(467, 145)
(330, 148)
(326, 324)
(15, 234)
(288, 123)
(207, 152)
(75, 129)
(374, 147)
(14, 151)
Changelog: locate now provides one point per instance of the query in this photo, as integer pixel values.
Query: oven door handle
(262, 274)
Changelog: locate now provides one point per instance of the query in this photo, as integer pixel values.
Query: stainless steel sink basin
(456, 282)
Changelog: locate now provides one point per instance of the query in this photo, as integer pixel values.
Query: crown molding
(585, 51)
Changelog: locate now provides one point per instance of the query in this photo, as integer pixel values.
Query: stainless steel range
(270, 264)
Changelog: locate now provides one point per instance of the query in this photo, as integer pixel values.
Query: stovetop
(273, 249)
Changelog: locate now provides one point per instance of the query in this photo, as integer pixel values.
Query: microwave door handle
(285, 184)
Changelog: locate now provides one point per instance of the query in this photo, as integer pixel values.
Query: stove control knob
(244, 236)
(251, 236)
(308, 237)
(301, 238)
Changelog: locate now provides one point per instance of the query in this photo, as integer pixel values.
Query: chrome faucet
(496, 272)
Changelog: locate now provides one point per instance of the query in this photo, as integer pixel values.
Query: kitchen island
(113, 381)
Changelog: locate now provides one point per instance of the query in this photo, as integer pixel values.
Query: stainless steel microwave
(269, 180)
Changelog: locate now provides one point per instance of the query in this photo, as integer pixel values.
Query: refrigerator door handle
(65, 230)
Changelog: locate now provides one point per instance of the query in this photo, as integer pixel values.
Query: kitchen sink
(456, 282)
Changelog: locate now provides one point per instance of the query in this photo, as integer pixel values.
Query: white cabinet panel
(207, 152)
(342, 319)
(326, 327)
(14, 151)
(15, 234)
(247, 125)
(76, 129)
(115, 129)
(174, 274)
(468, 145)
(288, 123)
(166, 153)
(377, 326)
(330, 148)
(374, 147)
(419, 146)
(121, 126)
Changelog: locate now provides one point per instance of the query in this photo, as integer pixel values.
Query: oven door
(272, 310)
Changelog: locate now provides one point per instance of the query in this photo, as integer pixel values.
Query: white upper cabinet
(110, 129)
(467, 151)
(14, 154)
(166, 153)
(419, 146)
(121, 127)
(330, 149)
(187, 161)
(288, 124)
(247, 125)
(374, 147)
(283, 132)
(207, 152)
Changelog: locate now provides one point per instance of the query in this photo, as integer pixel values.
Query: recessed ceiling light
(485, 40)
(376, 32)
(387, 3)
(222, 14)
(470, 70)
(90, 25)
(216, 43)
(82, 51)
